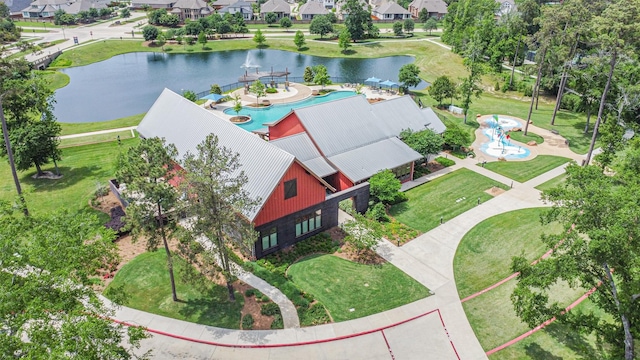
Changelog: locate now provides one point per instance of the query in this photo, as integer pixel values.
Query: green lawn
(36, 24)
(84, 169)
(145, 281)
(94, 139)
(521, 137)
(493, 319)
(556, 181)
(341, 285)
(484, 254)
(447, 196)
(79, 128)
(526, 170)
(56, 79)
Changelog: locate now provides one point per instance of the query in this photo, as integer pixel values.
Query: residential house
(47, 8)
(191, 9)
(16, 6)
(279, 7)
(389, 10)
(153, 4)
(506, 6)
(312, 8)
(342, 14)
(219, 4)
(243, 7)
(350, 140)
(328, 4)
(436, 8)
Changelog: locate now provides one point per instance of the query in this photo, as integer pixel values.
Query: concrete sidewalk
(72, 136)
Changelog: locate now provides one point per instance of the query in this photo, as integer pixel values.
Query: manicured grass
(556, 181)
(447, 196)
(484, 254)
(493, 319)
(94, 139)
(521, 137)
(556, 341)
(526, 170)
(341, 285)
(145, 281)
(35, 24)
(430, 58)
(56, 79)
(84, 168)
(79, 128)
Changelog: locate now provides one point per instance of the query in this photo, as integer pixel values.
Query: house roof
(152, 2)
(185, 124)
(360, 138)
(313, 8)
(16, 6)
(274, 6)
(432, 6)
(301, 146)
(368, 123)
(391, 7)
(242, 6)
(363, 162)
(191, 4)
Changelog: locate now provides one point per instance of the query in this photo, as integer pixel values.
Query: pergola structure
(251, 77)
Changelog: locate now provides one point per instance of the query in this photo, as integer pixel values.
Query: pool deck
(294, 92)
(553, 144)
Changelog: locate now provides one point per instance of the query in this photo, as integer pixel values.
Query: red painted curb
(449, 337)
(263, 346)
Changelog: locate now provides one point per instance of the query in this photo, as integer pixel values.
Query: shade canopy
(372, 79)
(388, 83)
(214, 97)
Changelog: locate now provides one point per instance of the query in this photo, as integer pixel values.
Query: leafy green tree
(49, 265)
(425, 142)
(202, 39)
(270, 18)
(259, 38)
(60, 17)
(430, 25)
(470, 85)
(285, 22)
(193, 28)
(597, 211)
(362, 234)
(321, 75)
(409, 25)
(93, 13)
(258, 89)
(308, 74)
(384, 187)
(224, 27)
(442, 88)
(344, 40)
(397, 28)
(320, 25)
(455, 136)
(155, 16)
(150, 33)
(218, 202)
(332, 17)
(146, 171)
(190, 95)
(299, 40)
(423, 15)
(237, 104)
(409, 75)
(170, 20)
(215, 89)
(104, 12)
(358, 19)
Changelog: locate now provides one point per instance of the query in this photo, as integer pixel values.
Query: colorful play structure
(499, 142)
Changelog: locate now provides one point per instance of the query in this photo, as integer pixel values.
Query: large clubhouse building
(316, 157)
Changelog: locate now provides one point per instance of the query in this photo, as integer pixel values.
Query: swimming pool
(259, 116)
(498, 142)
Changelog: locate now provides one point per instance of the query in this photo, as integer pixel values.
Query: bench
(554, 131)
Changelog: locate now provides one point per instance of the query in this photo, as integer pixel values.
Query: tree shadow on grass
(70, 177)
(349, 52)
(535, 351)
(400, 208)
(304, 48)
(573, 340)
(213, 308)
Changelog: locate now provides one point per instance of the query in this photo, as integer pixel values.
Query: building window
(269, 238)
(402, 172)
(308, 223)
(290, 189)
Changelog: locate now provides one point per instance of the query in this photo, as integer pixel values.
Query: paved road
(436, 326)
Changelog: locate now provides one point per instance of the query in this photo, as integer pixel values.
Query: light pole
(63, 35)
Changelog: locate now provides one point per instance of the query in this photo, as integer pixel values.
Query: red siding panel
(310, 192)
(290, 125)
(343, 182)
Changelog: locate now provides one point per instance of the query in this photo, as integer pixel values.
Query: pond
(128, 84)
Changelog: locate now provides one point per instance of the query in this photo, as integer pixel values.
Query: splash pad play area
(497, 129)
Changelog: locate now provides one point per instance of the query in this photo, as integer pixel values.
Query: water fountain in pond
(499, 140)
(248, 64)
